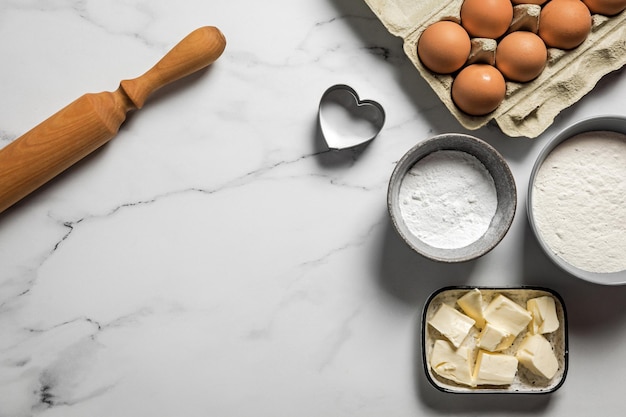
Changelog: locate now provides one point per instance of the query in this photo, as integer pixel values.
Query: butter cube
(450, 363)
(451, 323)
(507, 315)
(536, 354)
(472, 304)
(543, 311)
(494, 339)
(494, 369)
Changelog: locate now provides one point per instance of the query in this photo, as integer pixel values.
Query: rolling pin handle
(197, 50)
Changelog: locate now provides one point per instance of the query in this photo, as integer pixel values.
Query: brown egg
(564, 24)
(538, 2)
(478, 89)
(486, 18)
(606, 7)
(521, 56)
(444, 47)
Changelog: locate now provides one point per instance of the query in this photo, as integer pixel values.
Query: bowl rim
(424, 325)
(612, 123)
(412, 156)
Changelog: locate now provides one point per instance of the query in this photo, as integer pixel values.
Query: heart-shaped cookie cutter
(347, 121)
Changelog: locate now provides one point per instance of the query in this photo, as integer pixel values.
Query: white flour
(579, 201)
(447, 199)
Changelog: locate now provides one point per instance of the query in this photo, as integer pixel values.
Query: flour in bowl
(579, 201)
(447, 199)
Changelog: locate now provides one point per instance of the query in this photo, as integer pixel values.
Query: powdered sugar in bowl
(452, 198)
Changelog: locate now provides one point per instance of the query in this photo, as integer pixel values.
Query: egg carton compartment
(528, 108)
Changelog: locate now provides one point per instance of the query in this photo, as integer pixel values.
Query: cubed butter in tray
(528, 108)
(495, 340)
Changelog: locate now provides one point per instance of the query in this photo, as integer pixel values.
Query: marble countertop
(216, 259)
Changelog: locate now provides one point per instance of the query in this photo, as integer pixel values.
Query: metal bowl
(601, 123)
(504, 184)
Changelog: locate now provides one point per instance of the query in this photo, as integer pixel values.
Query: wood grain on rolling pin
(95, 118)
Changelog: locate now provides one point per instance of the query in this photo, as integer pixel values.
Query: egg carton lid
(528, 108)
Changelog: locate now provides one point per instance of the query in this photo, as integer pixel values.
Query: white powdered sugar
(447, 199)
(579, 201)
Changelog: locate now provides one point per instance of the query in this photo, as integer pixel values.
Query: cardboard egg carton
(528, 108)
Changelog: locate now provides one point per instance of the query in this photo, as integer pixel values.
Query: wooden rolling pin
(93, 119)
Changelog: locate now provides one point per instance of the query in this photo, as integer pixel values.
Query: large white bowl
(600, 123)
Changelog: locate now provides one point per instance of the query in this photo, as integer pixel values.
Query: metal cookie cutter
(347, 121)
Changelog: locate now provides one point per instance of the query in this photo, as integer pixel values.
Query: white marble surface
(215, 259)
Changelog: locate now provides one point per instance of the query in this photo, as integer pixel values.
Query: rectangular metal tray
(525, 382)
